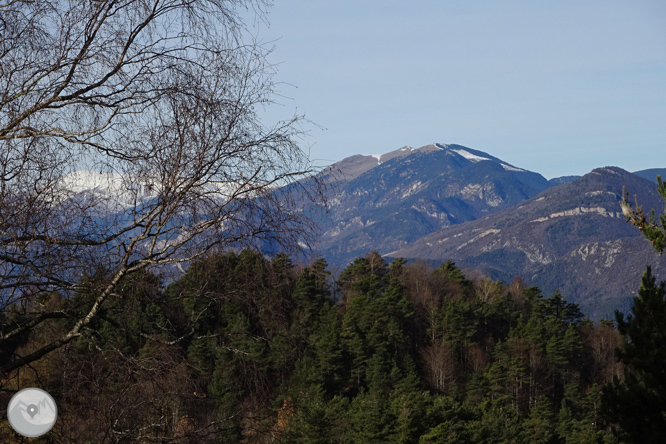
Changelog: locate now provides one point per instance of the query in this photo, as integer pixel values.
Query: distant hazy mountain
(441, 202)
(571, 237)
(384, 202)
(652, 173)
(649, 174)
(563, 179)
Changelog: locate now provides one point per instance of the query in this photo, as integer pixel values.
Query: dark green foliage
(132, 316)
(453, 273)
(653, 227)
(638, 402)
(376, 322)
(262, 352)
(540, 425)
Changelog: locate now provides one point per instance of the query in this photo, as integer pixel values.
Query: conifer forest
(247, 349)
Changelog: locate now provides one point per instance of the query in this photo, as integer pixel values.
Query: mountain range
(385, 202)
(441, 202)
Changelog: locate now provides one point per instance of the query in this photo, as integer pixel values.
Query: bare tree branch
(130, 140)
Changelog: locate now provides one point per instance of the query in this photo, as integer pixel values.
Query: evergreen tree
(638, 403)
(454, 274)
(653, 228)
(540, 426)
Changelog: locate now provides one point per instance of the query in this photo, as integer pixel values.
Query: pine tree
(653, 228)
(638, 403)
(540, 426)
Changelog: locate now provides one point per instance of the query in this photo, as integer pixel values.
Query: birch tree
(130, 139)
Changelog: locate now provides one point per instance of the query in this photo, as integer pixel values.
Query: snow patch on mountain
(510, 168)
(475, 158)
(79, 181)
(469, 156)
(115, 192)
(107, 191)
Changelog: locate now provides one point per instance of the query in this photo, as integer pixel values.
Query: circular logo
(32, 412)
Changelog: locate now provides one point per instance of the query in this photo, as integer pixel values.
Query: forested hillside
(255, 350)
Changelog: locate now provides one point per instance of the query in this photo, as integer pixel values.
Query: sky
(557, 87)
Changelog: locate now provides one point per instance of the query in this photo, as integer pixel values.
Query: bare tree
(130, 139)
(440, 366)
(486, 289)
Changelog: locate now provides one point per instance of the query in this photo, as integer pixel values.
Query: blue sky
(557, 87)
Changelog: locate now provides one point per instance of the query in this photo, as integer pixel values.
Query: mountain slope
(384, 202)
(652, 173)
(572, 237)
(562, 179)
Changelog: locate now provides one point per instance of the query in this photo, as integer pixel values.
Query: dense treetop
(244, 348)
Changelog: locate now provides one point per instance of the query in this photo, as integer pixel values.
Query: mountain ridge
(386, 201)
(447, 201)
(564, 238)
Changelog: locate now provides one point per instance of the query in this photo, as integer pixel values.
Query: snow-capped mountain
(113, 192)
(352, 167)
(440, 202)
(109, 192)
(386, 201)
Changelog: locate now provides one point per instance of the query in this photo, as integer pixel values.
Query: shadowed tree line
(248, 349)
